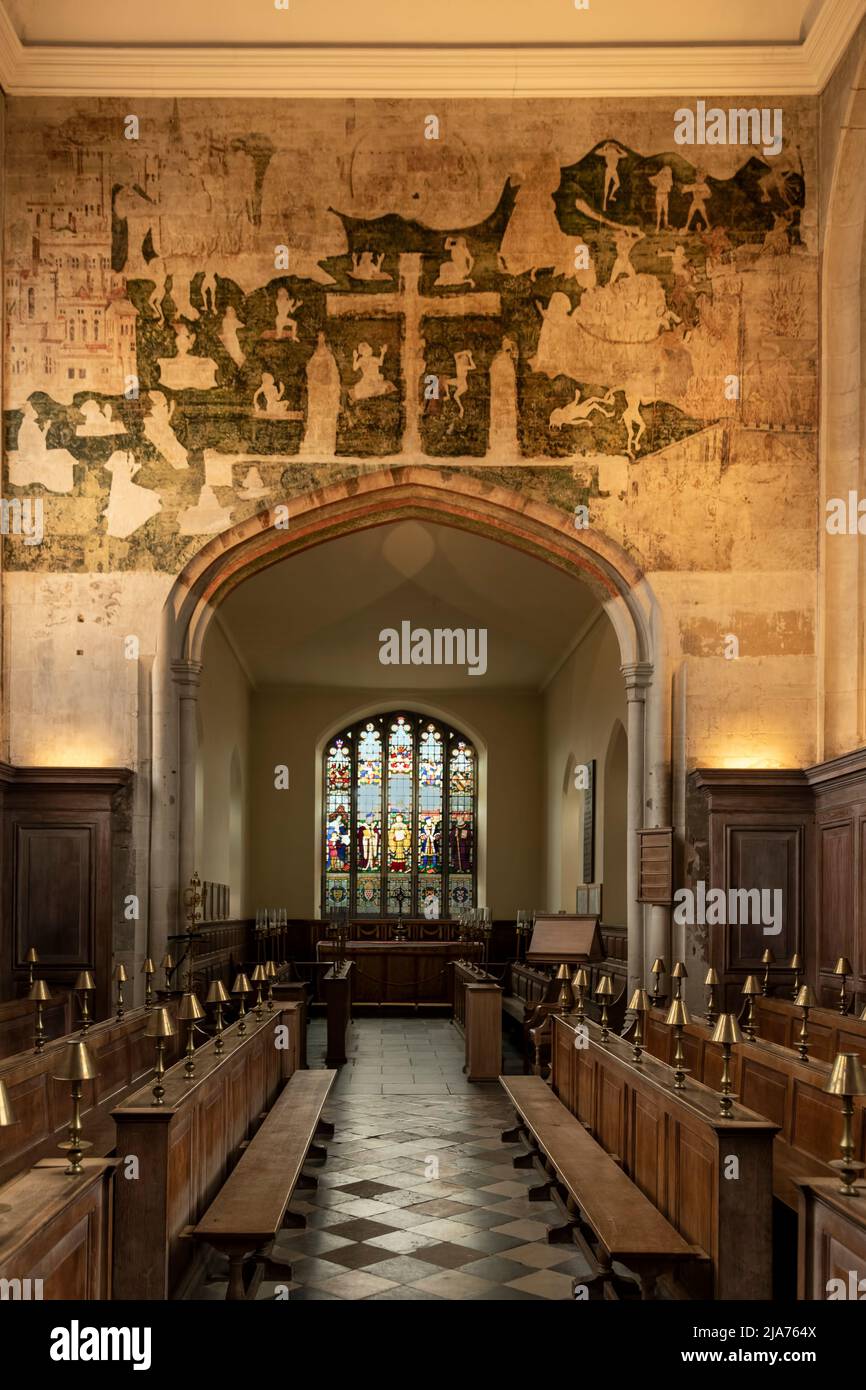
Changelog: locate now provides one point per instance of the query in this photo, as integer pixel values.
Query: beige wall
(290, 725)
(582, 704)
(223, 772)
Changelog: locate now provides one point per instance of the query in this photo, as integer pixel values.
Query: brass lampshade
(678, 1015)
(843, 968)
(84, 980)
(727, 1030)
(217, 993)
(847, 1080)
(160, 1026)
(40, 994)
(242, 988)
(31, 960)
(658, 969)
(727, 1034)
(679, 973)
(580, 983)
(259, 978)
(270, 969)
(806, 1000)
(167, 964)
(767, 959)
(711, 982)
(76, 1067)
(148, 970)
(121, 978)
(566, 995)
(190, 1008)
(638, 1005)
(76, 1062)
(796, 965)
(603, 991)
(677, 1018)
(751, 989)
(84, 984)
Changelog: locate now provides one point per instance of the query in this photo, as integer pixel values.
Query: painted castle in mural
(193, 330)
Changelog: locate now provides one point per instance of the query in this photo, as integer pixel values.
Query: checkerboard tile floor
(418, 1198)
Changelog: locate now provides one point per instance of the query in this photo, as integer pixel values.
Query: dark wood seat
(607, 1215)
(250, 1209)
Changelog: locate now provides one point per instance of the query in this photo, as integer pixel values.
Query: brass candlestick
(40, 994)
(847, 1079)
(121, 978)
(160, 1026)
(843, 968)
(806, 1000)
(727, 1033)
(797, 967)
(604, 991)
(217, 995)
(565, 1002)
(751, 989)
(581, 984)
(84, 985)
(31, 960)
(271, 972)
(679, 973)
(190, 1012)
(167, 964)
(258, 978)
(148, 971)
(76, 1067)
(658, 970)
(767, 959)
(677, 1018)
(639, 1005)
(712, 983)
(242, 988)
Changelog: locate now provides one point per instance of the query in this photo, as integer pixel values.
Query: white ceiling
(315, 618)
(399, 22)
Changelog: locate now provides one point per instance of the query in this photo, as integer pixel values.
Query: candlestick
(565, 1002)
(679, 973)
(805, 1000)
(76, 1067)
(84, 985)
(217, 995)
(727, 1033)
(189, 1012)
(160, 1026)
(148, 971)
(271, 972)
(167, 964)
(258, 978)
(711, 982)
(767, 959)
(581, 984)
(121, 978)
(847, 1079)
(241, 988)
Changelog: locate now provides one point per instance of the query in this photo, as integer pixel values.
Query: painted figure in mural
(323, 402)
(33, 462)
(184, 372)
(555, 335)
(129, 506)
(369, 368)
(611, 154)
(158, 429)
(662, 182)
(97, 421)
(269, 399)
(337, 841)
(624, 239)
(229, 335)
(366, 266)
(285, 326)
(431, 904)
(461, 841)
(682, 300)
(368, 843)
(579, 412)
(398, 844)
(456, 386)
(458, 270)
(428, 859)
(776, 241)
(503, 441)
(533, 239)
(700, 192)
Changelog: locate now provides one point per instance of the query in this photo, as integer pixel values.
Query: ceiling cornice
(444, 71)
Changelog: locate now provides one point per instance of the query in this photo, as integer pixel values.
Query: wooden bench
(607, 1216)
(250, 1208)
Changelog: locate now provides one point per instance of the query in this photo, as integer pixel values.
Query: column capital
(187, 675)
(638, 675)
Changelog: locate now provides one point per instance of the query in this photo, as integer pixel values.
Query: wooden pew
(250, 1209)
(18, 1017)
(778, 1021)
(57, 1229)
(605, 1212)
(123, 1058)
(337, 989)
(186, 1148)
(772, 1080)
(832, 1241)
(677, 1148)
(478, 1015)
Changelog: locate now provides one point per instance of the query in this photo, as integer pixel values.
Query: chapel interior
(433, 664)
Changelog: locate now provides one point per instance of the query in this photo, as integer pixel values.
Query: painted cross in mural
(408, 302)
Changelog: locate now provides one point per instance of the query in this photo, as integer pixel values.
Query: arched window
(400, 819)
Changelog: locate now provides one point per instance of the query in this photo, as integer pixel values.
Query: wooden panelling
(836, 879)
(477, 1012)
(18, 1017)
(832, 1241)
(58, 1229)
(389, 972)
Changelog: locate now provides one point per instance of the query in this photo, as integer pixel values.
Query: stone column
(186, 676)
(638, 676)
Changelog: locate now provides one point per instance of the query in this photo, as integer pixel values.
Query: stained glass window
(400, 819)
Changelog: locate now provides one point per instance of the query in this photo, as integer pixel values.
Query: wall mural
(199, 327)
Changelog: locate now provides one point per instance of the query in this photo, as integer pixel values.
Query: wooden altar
(392, 974)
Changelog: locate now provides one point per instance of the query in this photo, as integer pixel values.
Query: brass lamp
(679, 973)
(40, 994)
(727, 1033)
(843, 968)
(121, 978)
(658, 970)
(190, 1012)
(148, 971)
(160, 1026)
(565, 1000)
(797, 967)
(677, 1018)
(242, 988)
(639, 1006)
(76, 1067)
(712, 983)
(603, 991)
(217, 994)
(31, 960)
(767, 959)
(806, 1000)
(271, 972)
(581, 984)
(84, 985)
(167, 964)
(847, 1079)
(751, 989)
(258, 978)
